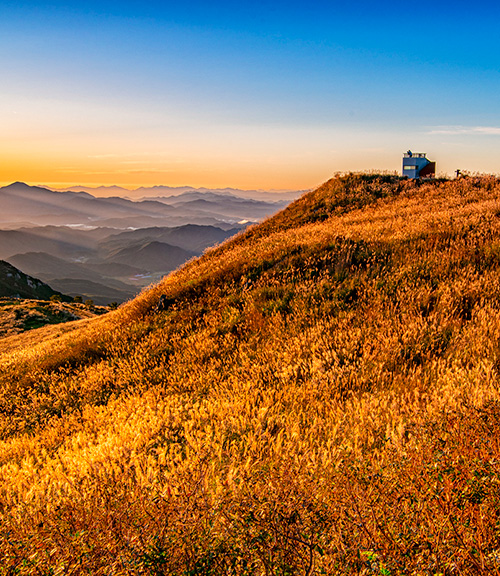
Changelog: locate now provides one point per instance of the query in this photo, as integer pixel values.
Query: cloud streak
(467, 130)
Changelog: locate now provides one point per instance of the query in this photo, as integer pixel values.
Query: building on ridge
(417, 165)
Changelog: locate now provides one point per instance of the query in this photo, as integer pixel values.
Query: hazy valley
(108, 248)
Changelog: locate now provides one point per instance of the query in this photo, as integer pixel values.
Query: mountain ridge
(17, 284)
(175, 191)
(67, 254)
(22, 203)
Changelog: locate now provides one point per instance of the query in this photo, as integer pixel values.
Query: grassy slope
(321, 397)
(19, 315)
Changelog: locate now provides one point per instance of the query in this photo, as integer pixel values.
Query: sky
(261, 94)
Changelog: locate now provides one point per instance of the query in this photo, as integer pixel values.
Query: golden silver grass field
(321, 396)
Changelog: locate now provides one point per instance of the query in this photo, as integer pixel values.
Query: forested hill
(15, 283)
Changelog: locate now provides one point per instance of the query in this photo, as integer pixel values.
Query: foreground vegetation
(19, 314)
(320, 397)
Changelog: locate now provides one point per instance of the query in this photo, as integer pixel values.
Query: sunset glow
(268, 95)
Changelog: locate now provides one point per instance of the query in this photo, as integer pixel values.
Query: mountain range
(37, 206)
(109, 248)
(179, 191)
(104, 264)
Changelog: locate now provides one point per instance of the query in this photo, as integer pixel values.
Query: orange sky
(102, 95)
(270, 158)
(229, 95)
(53, 142)
(255, 158)
(244, 177)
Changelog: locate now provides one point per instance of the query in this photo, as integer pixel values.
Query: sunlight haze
(268, 95)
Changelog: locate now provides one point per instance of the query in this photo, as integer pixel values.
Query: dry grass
(321, 397)
(21, 315)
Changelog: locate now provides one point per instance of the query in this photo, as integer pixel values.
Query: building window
(409, 167)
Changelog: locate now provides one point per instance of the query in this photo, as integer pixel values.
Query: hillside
(153, 256)
(20, 315)
(75, 278)
(14, 283)
(189, 237)
(321, 396)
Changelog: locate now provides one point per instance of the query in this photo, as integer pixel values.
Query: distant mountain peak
(17, 184)
(22, 185)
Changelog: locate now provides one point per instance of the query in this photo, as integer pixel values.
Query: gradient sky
(262, 94)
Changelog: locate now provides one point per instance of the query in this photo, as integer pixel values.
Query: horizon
(267, 96)
(69, 187)
(93, 186)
